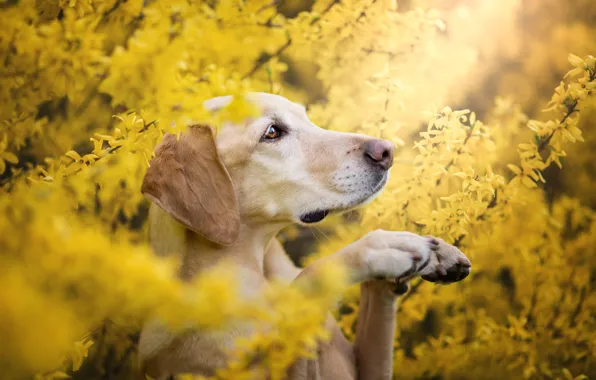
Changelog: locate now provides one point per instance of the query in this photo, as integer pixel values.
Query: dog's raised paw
(447, 264)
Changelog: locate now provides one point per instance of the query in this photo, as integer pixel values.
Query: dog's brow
(302, 110)
(277, 119)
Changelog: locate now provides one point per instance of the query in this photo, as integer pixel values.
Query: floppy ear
(187, 179)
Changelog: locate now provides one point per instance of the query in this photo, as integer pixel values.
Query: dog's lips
(380, 184)
(314, 217)
(319, 215)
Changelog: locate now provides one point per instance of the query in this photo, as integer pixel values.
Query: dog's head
(277, 169)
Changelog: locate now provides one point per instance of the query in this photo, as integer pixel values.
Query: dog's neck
(248, 250)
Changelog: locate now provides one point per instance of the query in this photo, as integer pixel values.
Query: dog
(225, 197)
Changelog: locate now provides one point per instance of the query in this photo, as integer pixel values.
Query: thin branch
(272, 4)
(262, 62)
(115, 148)
(578, 307)
(459, 151)
(390, 54)
(111, 10)
(570, 110)
(493, 203)
(126, 355)
(285, 46)
(533, 302)
(457, 242)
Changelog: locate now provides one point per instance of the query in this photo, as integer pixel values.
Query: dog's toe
(401, 288)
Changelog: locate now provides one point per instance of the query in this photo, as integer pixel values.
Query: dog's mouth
(319, 215)
(314, 217)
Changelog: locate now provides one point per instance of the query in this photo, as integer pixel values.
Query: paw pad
(453, 274)
(450, 264)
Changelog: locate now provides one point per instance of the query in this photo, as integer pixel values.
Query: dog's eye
(273, 132)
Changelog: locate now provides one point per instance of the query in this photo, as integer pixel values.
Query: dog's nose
(379, 153)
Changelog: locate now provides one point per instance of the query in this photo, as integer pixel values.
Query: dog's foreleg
(375, 330)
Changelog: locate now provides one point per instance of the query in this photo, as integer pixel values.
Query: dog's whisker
(313, 234)
(322, 233)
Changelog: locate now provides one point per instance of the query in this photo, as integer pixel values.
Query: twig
(262, 62)
(390, 54)
(125, 356)
(115, 148)
(482, 216)
(459, 151)
(533, 302)
(111, 10)
(285, 46)
(579, 306)
(570, 110)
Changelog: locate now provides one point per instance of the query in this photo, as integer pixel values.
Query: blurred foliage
(88, 87)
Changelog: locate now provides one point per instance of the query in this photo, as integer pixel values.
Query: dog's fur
(226, 197)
